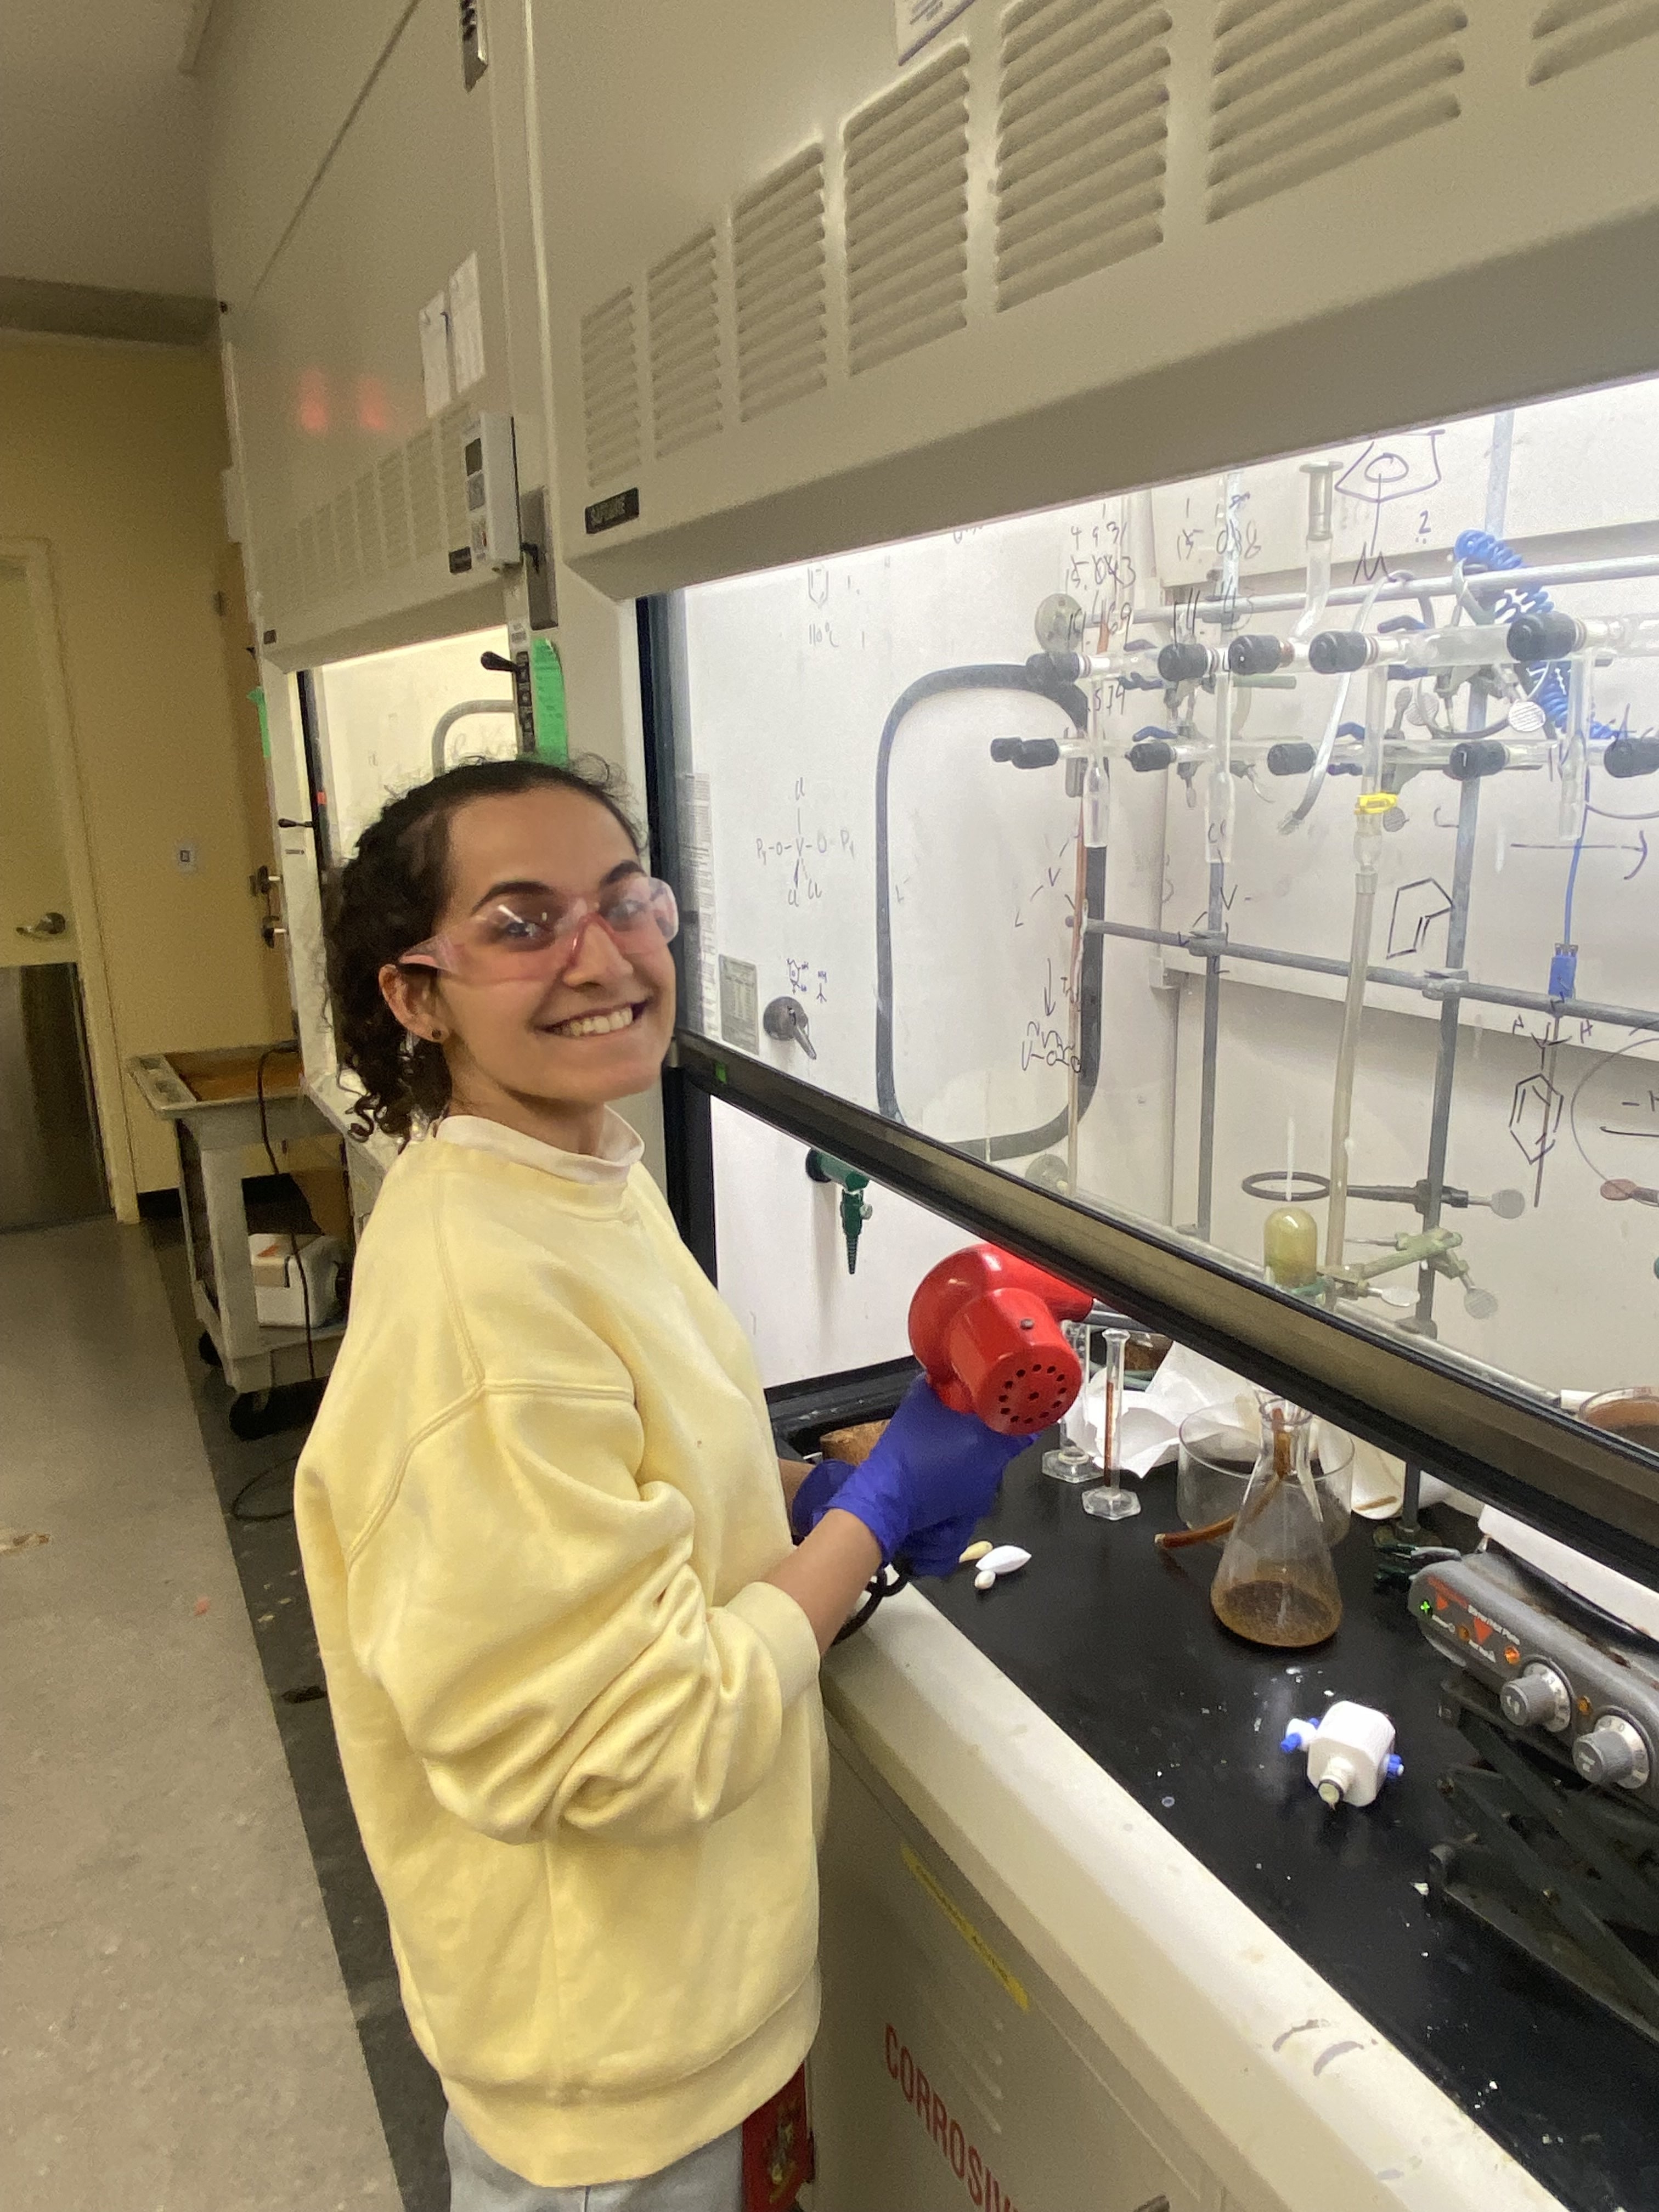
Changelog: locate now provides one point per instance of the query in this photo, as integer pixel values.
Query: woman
(571, 1653)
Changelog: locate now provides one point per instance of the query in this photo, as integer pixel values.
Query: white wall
(1578, 1304)
(782, 1258)
(103, 147)
(282, 83)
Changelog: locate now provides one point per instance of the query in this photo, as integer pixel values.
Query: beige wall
(33, 873)
(111, 454)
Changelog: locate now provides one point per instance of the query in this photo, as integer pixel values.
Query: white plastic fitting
(1350, 1753)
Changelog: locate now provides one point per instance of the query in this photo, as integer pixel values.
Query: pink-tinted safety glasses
(523, 937)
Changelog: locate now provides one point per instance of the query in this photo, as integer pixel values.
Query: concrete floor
(174, 2033)
(255, 1485)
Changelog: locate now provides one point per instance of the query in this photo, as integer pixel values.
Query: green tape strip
(547, 701)
(257, 696)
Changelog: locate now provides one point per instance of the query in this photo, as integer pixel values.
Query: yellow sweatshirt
(582, 1736)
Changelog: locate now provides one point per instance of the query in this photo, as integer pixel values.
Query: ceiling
(103, 148)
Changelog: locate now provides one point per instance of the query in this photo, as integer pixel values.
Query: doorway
(52, 1161)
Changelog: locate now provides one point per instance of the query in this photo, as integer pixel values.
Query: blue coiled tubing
(1480, 549)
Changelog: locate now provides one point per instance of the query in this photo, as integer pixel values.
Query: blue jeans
(706, 2180)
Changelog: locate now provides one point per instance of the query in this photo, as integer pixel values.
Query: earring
(438, 1036)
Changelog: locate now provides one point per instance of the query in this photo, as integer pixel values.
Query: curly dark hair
(388, 896)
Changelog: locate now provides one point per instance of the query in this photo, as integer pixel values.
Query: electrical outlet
(187, 858)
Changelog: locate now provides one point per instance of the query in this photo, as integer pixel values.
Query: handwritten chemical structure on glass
(805, 850)
(808, 981)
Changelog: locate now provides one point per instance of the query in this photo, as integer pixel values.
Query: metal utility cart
(219, 1104)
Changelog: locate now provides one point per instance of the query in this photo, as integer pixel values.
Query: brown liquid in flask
(1275, 1584)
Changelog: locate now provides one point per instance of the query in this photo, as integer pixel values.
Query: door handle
(50, 925)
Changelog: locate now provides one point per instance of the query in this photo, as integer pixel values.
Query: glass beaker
(1275, 1584)
(1218, 1457)
(1333, 1473)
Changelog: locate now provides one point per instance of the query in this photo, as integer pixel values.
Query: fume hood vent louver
(1080, 140)
(780, 288)
(371, 562)
(280, 584)
(1570, 32)
(610, 395)
(906, 214)
(426, 518)
(328, 565)
(394, 511)
(451, 472)
(682, 303)
(1304, 87)
(346, 566)
(305, 547)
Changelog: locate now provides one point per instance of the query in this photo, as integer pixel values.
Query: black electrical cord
(992, 676)
(282, 1512)
(881, 1586)
(293, 1234)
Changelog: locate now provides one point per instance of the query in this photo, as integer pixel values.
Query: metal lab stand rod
(1445, 1057)
(1198, 945)
(1231, 612)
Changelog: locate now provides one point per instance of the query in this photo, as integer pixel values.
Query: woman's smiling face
(544, 1052)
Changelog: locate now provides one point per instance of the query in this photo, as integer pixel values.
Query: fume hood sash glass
(1240, 889)
(1493, 1438)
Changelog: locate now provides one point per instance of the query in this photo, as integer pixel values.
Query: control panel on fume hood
(1265, 859)
(492, 493)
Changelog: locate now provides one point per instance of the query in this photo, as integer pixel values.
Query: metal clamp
(1441, 984)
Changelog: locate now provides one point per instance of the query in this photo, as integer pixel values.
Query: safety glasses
(526, 937)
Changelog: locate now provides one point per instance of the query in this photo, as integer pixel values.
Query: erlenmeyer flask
(1275, 1584)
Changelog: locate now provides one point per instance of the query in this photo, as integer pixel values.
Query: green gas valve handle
(824, 1167)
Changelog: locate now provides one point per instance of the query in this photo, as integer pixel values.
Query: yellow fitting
(1375, 802)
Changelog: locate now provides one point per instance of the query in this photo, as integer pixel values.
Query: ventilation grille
(426, 519)
(1304, 87)
(1080, 134)
(611, 395)
(394, 511)
(451, 472)
(394, 515)
(778, 256)
(368, 526)
(305, 550)
(328, 564)
(682, 303)
(1570, 33)
(280, 590)
(906, 214)
(348, 568)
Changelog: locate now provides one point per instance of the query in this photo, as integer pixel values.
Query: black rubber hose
(990, 676)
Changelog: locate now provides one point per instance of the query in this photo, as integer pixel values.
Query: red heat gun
(985, 1327)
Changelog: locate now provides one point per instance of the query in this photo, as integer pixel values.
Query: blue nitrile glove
(811, 1501)
(929, 1466)
(938, 1551)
